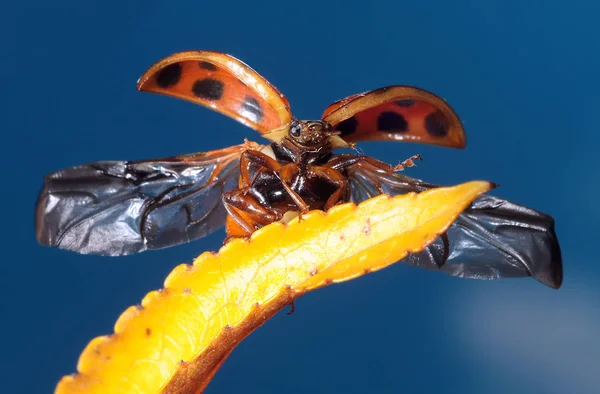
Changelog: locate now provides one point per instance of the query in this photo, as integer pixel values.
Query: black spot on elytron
(392, 122)
(436, 124)
(405, 103)
(252, 110)
(207, 66)
(148, 332)
(208, 88)
(169, 75)
(348, 126)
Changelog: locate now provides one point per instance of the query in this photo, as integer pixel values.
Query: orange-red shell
(222, 83)
(397, 113)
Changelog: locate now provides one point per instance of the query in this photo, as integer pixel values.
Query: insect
(123, 207)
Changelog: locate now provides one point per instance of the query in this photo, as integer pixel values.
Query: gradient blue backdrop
(523, 75)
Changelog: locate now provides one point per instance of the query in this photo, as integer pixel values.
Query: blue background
(522, 75)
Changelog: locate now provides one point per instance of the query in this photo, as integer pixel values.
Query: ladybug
(123, 207)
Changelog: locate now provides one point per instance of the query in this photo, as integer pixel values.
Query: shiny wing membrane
(397, 113)
(493, 238)
(222, 83)
(119, 207)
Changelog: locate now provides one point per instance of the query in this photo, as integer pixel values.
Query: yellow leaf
(179, 336)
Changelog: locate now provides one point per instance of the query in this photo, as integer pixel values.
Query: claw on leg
(410, 162)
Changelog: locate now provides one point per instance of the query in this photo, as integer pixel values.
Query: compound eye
(295, 129)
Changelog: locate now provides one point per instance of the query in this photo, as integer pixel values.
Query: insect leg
(286, 175)
(335, 177)
(256, 158)
(410, 162)
(345, 160)
(255, 216)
